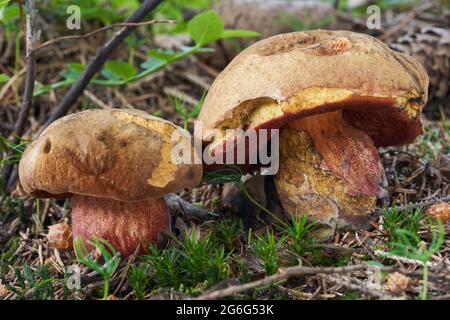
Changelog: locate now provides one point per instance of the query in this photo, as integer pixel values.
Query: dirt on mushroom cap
(119, 154)
(298, 74)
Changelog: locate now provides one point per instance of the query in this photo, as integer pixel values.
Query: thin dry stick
(359, 286)
(283, 275)
(29, 81)
(102, 29)
(409, 17)
(96, 100)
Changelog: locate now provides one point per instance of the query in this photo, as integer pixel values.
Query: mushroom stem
(328, 169)
(126, 225)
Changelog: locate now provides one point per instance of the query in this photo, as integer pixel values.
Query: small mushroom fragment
(4, 291)
(397, 282)
(117, 165)
(440, 211)
(336, 96)
(60, 236)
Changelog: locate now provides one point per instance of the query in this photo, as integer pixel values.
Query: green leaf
(128, 6)
(132, 41)
(206, 27)
(73, 71)
(239, 33)
(198, 4)
(117, 69)
(161, 54)
(373, 263)
(180, 27)
(185, 49)
(153, 64)
(3, 77)
(9, 14)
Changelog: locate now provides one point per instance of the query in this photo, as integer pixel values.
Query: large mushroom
(117, 165)
(337, 96)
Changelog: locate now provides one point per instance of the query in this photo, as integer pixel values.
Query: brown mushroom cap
(118, 154)
(303, 73)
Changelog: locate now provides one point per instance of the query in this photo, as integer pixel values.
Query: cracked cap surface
(119, 154)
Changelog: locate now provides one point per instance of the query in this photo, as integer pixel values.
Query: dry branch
(31, 39)
(97, 63)
(423, 6)
(283, 275)
(359, 286)
(421, 204)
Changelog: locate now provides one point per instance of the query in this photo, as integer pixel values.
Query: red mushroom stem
(336, 175)
(126, 225)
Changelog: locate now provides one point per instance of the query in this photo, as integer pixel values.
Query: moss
(349, 296)
(320, 258)
(8, 257)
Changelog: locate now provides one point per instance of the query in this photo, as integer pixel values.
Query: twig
(306, 295)
(102, 29)
(125, 270)
(199, 81)
(10, 82)
(29, 81)
(208, 69)
(359, 286)
(96, 100)
(97, 63)
(383, 254)
(409, 17)
(124, 101)
(174, 92)
(283, 275)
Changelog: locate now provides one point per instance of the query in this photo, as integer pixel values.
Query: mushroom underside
(126, 225)
(329, 170)
(329, 163)
(383, 119)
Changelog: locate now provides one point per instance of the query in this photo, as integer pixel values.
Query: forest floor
(404, 255)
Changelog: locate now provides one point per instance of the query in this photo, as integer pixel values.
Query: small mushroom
(4, 291)
(337, 96)
(397, 282)
(60, 236)
(117, 165)
(439, 211)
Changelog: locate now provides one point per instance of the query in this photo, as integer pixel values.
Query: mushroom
(60, 236)
(337, 96)
(117, 165)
